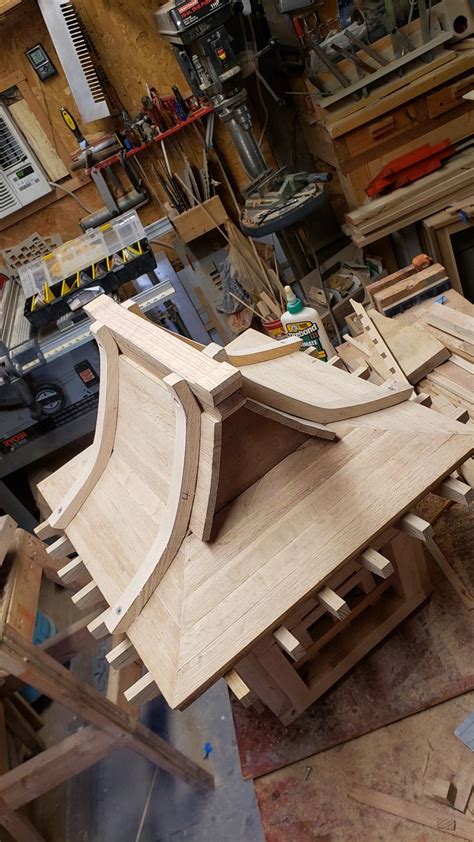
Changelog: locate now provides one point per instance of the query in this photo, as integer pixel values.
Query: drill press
(196, 30)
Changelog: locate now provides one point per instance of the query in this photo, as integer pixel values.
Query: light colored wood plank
(333, 603)
(416, 351)
(44, 531)
(175, 521)
(415, 526)
(311, 428)
(207, 481)
(121, 655)
(464, 781)
(455, 489)
(104, 433)
(87, 597)
(438, 820)
(165, 354)
(239, 688)
(38, 140)
(74, 572)
(261, 354)
(451, 321)
(60, 548)
(289, 643)
(442, 791)
(377, 341)
(144, 690)
(377, 563)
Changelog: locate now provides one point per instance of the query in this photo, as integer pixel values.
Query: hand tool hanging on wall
(73, 127)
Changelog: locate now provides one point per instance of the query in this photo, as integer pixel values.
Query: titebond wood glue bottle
(306, 323)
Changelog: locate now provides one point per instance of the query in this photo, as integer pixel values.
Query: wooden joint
(415, 527)
(87, 597)
(289, 643)
(72, 571)
(144, 690)
(455, 489)
(62, 547)
(362, 371)
(97, 626)
(377, 563)
(239, 688)
(123, 654)
(333, 603)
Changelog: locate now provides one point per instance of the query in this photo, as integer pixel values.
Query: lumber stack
(379, 217)
(402, 289)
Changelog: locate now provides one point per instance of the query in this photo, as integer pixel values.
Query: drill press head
(197, 33)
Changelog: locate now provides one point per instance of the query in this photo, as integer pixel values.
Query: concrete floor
(176, 811)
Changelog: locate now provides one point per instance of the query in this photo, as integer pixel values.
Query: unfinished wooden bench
(245, 512)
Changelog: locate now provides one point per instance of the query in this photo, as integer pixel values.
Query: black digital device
(39, 59)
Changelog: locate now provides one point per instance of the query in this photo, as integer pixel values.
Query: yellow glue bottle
(306, 323)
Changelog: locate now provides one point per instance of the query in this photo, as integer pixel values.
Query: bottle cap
(294, 304)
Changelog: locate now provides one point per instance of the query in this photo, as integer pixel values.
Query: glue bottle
(306, 323)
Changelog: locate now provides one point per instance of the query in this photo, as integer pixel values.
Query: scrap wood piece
(451, 321)
(460, 827)
(416, 351)
(175, 522)
(449, 385)
(464, 781)
(408, 286)
(312, 428)
(102, 446)
(262, 353)
(378, 342)
(442, 791)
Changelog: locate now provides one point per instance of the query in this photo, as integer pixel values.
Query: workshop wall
(133, 54)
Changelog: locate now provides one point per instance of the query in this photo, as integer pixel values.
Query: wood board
(416, 350)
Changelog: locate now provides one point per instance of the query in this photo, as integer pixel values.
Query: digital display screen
(24, 172)
(38, 56)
